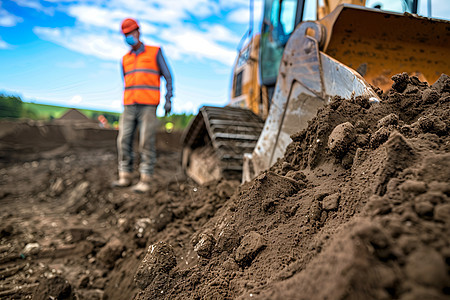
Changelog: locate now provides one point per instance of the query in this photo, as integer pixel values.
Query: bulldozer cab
(256, 68)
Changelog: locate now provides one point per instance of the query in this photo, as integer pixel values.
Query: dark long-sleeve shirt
(163, 68)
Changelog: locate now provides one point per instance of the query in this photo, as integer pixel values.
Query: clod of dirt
(341, 139)
(111, 252)
(250, 245)
(380, 136)
(54, 288)
(430, 96)
(331, 202)
(399, 155)
(391, 119)
(427, 267)
(158, 261)
(400, 82)
(227, 239)
(205, 245)
(413, 186)
(442, 85)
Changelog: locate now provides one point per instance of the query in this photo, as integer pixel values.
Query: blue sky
(65, 52)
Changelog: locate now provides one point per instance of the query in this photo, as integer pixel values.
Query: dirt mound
(357, 208)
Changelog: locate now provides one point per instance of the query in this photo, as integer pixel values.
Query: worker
(142, 68)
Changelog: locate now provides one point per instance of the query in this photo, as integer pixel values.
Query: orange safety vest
(142, 77)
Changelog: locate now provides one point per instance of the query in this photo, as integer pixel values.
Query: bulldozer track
(231, 132)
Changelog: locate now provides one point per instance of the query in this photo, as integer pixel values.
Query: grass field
(48, 112)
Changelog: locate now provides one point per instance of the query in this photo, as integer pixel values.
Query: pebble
(158, 261)
(31, 249)
(331, 202)
(250, 245)
(205, 245)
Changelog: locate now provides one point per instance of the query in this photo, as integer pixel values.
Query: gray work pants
(133, 117)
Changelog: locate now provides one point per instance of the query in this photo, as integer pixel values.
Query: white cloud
(174, 26)
(7, 19)
(241, 16)
(97, 16)
(4, 45)
(77, 99)
(35, 4)
(104, 46)
(197, 44)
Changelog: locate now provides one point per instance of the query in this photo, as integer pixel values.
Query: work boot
(124, 180)
(143, 186)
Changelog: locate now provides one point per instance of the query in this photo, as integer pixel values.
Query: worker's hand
(168, 106)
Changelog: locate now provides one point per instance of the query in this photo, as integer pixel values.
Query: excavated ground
(358, 208)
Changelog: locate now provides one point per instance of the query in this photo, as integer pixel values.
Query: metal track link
(232, 132)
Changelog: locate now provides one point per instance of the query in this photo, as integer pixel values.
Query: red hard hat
(128, 25)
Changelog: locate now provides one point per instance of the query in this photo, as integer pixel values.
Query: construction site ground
(358, 208)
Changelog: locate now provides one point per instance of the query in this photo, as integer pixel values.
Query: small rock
(427, 267)
(228, 239)
(78, 193)
(315, 211)
(205, 245)
(442, 212)
(391, 119)
(331, 202)
(341, 138)
(424, 209)
(250, 246)
(159, 260)
(400, 82)
(83, 282)
(230, 265)
(57, 187)
(31, 249)
(430, 96)
(380, 136)
(413, 186)
(111, 252)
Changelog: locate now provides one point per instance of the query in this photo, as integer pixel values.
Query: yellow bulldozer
(307, 52)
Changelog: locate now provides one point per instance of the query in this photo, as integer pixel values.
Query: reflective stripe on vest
(142, 77)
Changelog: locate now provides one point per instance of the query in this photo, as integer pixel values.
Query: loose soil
(358, 208)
